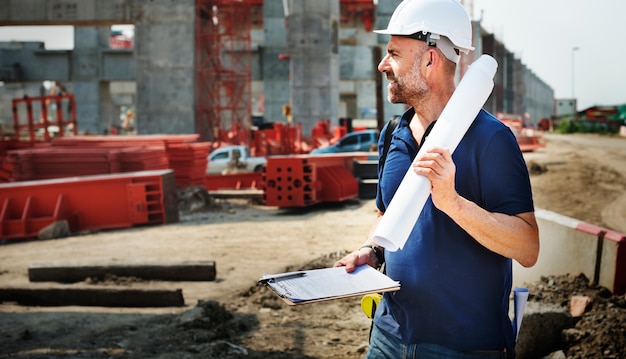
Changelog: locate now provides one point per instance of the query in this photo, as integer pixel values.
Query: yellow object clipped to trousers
(369, 303)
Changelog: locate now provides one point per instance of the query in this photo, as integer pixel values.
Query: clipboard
(317, 285)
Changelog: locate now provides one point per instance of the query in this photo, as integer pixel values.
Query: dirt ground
(581, 176)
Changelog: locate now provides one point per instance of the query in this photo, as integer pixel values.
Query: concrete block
(91, 37)
(274, 68)
(166, 11)
(23, 10)
(118, 65)
(366, 94)
(176, 97)
(560, 241)
(309, 33)
(314, 72)
(563, 238)
(356, 63)
(273, 9)
(46, 65)
(167, 122)
(275, 31)
(540, 333)
(325, 7)
(85, 64)
(166, 45)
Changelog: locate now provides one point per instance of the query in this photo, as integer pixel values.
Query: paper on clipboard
(328, 283)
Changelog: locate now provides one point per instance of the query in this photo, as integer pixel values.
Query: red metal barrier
(43, 121)
(88, 203)
(304, 180)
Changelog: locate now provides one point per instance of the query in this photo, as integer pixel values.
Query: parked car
(234, 159)
(359, 141)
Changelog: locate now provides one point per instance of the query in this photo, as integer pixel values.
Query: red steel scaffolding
(223, 69)
(224, 63)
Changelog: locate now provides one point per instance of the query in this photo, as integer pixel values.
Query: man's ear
(430, 58)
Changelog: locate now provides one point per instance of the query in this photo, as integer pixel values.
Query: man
(455, 268)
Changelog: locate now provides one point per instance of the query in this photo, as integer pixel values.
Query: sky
(541, 33)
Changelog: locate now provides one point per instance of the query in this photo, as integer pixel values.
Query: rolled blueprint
(406, 205)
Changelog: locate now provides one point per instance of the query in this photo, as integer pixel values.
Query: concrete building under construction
(198, 66)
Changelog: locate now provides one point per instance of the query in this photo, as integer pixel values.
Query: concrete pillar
(165, 50)
(275, 70)
(313, 36)
(85, 68)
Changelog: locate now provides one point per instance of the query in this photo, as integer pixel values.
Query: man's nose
(383, 65)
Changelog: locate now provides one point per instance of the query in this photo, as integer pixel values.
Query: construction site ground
(580, 176)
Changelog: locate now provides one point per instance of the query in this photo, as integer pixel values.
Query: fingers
(352, 260)
(348, 261)
(432, 162)
(437, 166)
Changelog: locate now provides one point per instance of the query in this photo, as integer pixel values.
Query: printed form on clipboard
(317, 285)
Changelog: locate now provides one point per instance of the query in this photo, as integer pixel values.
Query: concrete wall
(165, 50)
(63, 12)
(91, 94)
(162, 62)
(324, 66)
(275, 71)
(313, 41)
(569, 246)
(356, 71)
(516, 88)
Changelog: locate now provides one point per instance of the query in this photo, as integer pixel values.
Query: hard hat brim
(464, 50)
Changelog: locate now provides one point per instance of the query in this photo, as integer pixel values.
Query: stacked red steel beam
(189, 162)
(59, 162)
(93, 155)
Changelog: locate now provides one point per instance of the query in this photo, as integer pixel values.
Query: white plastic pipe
(406, 205)
(520, 297)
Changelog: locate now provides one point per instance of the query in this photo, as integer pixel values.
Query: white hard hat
(435, 18)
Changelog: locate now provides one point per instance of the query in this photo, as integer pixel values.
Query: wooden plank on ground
(93, 297)
(72, 272)
(249, 193)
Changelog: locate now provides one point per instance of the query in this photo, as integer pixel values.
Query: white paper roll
(406, 205)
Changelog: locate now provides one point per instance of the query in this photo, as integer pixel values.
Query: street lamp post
(574, 49)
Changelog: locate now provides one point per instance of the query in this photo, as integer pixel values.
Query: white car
(234, 158)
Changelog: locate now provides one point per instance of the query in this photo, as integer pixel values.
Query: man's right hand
(358, 258)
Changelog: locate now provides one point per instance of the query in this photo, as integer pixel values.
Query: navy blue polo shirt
(454, 291)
